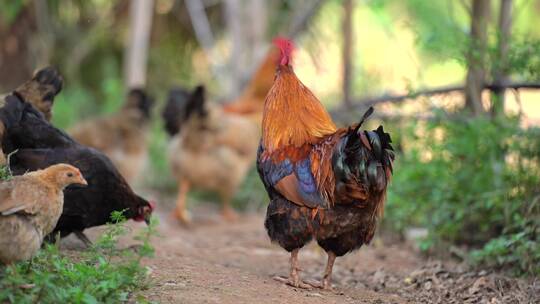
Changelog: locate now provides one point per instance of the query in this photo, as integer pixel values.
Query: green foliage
(524, 59)
(77, 102)
(5, 174)
(518, 247)
(103, 274)
(9, 10)
(437, 25)
(71, 105)
(472, 182)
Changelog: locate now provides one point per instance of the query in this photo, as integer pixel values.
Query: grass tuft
(103, 274)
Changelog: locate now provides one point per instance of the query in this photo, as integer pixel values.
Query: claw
(294, 282)
(323, 285)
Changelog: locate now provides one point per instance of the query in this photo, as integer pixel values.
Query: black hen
(33, 144)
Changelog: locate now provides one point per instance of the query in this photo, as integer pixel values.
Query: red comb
(286, 48)
(152, 205)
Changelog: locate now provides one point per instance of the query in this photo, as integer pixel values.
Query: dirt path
(217, 262)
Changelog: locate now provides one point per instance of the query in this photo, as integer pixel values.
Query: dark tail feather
(364, 117)
(173, 112)
(388, 155)
(368, 155)
(50, 76)
(354, 139)
(181, 104)
(139, 99)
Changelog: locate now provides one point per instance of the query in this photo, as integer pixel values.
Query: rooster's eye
(70, 174)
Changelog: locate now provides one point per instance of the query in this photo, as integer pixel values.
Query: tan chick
(210, 149)
(122, 136)
(30, 206)
(214, 153)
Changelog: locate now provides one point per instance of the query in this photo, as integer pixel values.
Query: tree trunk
(141, 13)
(501, 72)
(234, 20)
(44, 42)
(259, 20)
(201, 25)
(348, 8)
(476, 56)
(246, 23)
(302, 20)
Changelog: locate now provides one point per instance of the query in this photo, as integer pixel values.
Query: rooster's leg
(327, 278)
(180, 211)
(294, 278)
(228, 212)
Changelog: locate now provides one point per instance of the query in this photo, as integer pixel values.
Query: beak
(148, 215)
(147, 218)
(83, 182)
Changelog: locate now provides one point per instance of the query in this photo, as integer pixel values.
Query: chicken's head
(144, 212)
(286, 47)
(63, 175)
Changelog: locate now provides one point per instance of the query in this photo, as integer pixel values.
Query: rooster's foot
(294, 282)
(324, 285)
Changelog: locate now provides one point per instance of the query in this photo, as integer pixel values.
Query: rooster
(324, 183)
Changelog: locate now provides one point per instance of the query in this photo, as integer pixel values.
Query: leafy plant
(103, 274)
(4, 173)
(472, 182)
(9, 10)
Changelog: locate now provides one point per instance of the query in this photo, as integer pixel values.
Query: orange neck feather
(293, 116)
(48, 177)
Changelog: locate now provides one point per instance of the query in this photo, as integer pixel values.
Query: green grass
(103, 274)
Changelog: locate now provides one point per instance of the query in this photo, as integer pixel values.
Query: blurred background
(456, 82)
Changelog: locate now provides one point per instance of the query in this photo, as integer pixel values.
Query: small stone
(314, 294)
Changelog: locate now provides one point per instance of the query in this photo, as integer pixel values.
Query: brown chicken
(251, 102)
(30, 206)
(212, 150)
(121, 136)
(41, 90)
(324, 183)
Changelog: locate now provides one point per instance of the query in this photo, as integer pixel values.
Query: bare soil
(218, 262)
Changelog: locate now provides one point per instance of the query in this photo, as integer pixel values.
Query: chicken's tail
(139, 99)
(181, 104)
(364, 159)
(41, 90)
